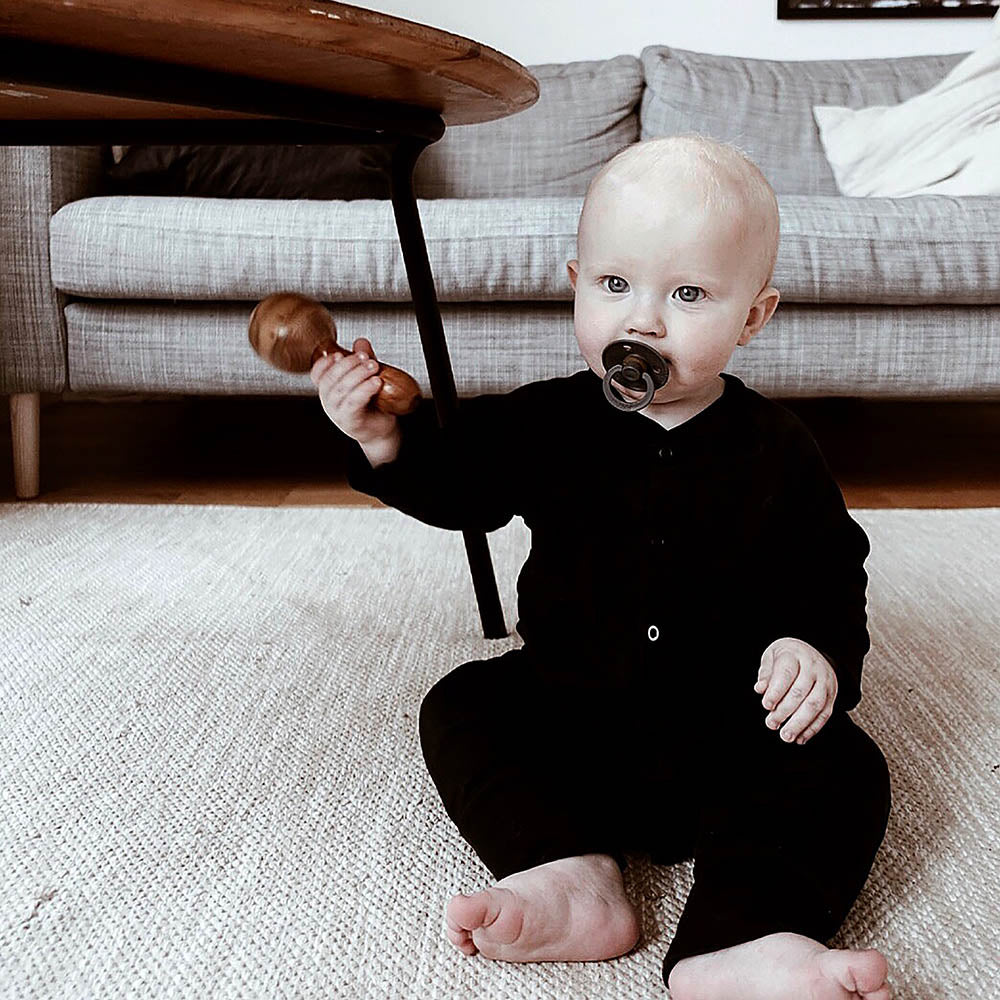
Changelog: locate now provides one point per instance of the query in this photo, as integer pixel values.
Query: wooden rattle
(292, 332)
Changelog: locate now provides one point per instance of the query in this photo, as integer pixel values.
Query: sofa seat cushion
(214, 248)
(833, 249)
(945, 352)
(889, 251)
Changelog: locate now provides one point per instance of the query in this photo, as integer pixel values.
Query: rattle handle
(325, 348)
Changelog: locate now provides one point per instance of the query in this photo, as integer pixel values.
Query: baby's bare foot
(781, 967)
(571, 910)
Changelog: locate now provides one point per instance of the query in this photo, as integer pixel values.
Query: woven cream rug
(211, 783)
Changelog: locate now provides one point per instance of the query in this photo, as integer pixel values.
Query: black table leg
(442, 379)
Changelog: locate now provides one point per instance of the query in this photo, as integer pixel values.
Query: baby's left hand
(799, 685)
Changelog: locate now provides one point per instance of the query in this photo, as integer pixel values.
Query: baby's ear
(760, 312)
(573, 270)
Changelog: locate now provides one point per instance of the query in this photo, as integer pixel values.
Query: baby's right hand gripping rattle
(292, 332)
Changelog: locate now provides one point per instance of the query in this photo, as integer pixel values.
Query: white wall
(540, 31)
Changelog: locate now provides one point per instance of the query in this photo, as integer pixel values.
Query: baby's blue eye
(615, 284)
(689, 288)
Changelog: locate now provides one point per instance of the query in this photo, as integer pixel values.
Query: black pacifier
(634, 366)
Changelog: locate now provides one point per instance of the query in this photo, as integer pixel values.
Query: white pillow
(944, 141)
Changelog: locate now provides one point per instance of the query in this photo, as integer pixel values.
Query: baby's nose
(650, 328)
(645, 322)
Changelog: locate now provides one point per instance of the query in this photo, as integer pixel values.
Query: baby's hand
(347, 383)
(799, 685)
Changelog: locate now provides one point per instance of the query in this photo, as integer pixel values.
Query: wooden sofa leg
(25, 429)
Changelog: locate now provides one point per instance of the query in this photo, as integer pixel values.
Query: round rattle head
(286, 328)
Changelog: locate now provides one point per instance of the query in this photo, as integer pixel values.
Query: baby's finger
(344, 373)
(786, 669)
(321, 367)
(360, 396)
(800, 718)
(816, 725)
(351, 398)
(363, 346)
(800, 691)
(764, 673)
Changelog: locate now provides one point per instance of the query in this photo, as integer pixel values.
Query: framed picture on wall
(789, 10)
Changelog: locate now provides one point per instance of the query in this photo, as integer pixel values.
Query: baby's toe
(864, 972)
(480, 909)
(461, 937)
(462, 940)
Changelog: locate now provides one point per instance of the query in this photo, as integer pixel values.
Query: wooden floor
(284, 452)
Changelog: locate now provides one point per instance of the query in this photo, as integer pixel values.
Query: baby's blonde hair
(727, 178)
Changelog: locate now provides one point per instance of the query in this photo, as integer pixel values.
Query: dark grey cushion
(765, 106)
(585, 113)
(241, 171)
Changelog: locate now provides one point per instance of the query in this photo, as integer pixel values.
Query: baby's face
(665, 271)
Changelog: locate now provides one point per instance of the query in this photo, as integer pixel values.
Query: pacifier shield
(634, 366)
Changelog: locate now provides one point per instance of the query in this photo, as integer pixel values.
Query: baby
(692, 611)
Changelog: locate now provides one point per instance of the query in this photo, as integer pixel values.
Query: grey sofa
(880, 297)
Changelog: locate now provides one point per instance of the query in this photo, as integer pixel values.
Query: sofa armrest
(35, 181)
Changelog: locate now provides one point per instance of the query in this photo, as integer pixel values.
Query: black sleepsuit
(662, 564)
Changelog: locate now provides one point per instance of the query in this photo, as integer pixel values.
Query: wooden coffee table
(252, 71)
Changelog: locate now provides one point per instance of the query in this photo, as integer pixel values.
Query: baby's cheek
(591, 353)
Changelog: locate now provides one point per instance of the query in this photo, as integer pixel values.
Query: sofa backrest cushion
(585, 113)
(343, 172)
(765, 106)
